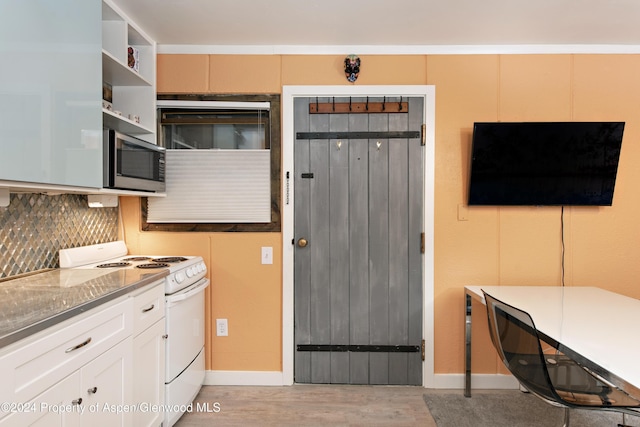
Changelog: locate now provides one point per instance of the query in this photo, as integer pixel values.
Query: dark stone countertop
(32, 303)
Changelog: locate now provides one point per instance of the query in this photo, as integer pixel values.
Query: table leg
(467, 345)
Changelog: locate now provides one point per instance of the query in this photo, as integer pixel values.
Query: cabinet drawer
(51, 356)
(148, 307)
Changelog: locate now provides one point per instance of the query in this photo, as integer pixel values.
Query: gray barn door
(358, 224)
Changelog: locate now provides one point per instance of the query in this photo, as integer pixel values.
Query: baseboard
(441, 381)
(266, 378)
(478, 381)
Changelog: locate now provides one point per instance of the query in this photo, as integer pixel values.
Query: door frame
(289, 93)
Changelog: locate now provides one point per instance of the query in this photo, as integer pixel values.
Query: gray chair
(552, 376)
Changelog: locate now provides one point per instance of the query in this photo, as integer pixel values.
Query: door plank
(359, 248)
(398, 249)
(302, 257)
(318, 244)
(339, 247)
(416, 226)
(379, 248)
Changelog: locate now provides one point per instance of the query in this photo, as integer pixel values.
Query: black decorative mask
(352, 67)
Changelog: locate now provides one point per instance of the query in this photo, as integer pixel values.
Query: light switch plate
(267, 255)
(222, 328)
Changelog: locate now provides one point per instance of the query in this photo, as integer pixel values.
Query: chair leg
(566, 418)
(624, 420)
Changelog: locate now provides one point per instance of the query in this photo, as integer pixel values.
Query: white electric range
(184, 316)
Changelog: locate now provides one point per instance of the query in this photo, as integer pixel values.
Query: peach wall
(502, 246)
(465, 251)
(183, 73)
(518, 245)
(605, 249)
(244, 74)
(243, 290)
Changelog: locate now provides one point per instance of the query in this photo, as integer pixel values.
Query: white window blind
(214, 186)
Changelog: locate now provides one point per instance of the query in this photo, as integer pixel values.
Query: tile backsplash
(34, 227)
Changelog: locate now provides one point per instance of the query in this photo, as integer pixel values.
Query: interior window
(219, 129)
(223, 164)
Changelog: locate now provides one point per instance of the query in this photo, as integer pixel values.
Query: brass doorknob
(302, 242)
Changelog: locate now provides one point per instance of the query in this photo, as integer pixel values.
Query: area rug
(510, 408)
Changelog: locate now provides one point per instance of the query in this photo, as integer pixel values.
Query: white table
(597, 327)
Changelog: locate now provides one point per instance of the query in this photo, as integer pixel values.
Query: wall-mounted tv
(544, 163)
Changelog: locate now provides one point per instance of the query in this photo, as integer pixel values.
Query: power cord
(562, 244)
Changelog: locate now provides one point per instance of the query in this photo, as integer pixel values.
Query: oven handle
(172, 299)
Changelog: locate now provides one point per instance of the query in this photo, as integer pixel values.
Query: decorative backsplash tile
(34, 227)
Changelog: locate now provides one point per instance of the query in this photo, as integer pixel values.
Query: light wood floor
(309, 405)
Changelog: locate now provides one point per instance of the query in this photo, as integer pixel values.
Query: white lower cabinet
(95, 395)
(148, 357)
(54, 407)
(106, 388)
(102, 368)
(148, 375)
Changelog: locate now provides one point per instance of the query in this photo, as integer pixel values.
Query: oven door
(185, 328)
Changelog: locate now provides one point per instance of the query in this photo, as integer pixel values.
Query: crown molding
(397, 50)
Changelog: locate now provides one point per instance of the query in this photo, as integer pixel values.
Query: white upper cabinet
(50, 89)
(56, 58)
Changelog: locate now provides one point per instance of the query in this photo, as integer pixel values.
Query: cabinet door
(106, 387)
(57, 406)
(148, 374)
(51, 91)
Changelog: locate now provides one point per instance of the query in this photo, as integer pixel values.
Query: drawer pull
(75, 347)
(77, 401)
(92, 390)
(144, 310)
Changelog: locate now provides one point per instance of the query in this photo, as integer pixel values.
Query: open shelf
(118, 74)
(133, 92)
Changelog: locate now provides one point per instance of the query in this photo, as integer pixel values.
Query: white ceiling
(398, 23)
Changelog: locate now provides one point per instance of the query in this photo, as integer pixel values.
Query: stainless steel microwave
(132, 164)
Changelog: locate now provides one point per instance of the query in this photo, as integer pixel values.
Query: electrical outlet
(267, 255)
(222, 328)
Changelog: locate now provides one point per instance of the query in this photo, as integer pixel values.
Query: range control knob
(179, 277)
(190, 272)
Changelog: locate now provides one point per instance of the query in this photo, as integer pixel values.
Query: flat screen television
(544, 163)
